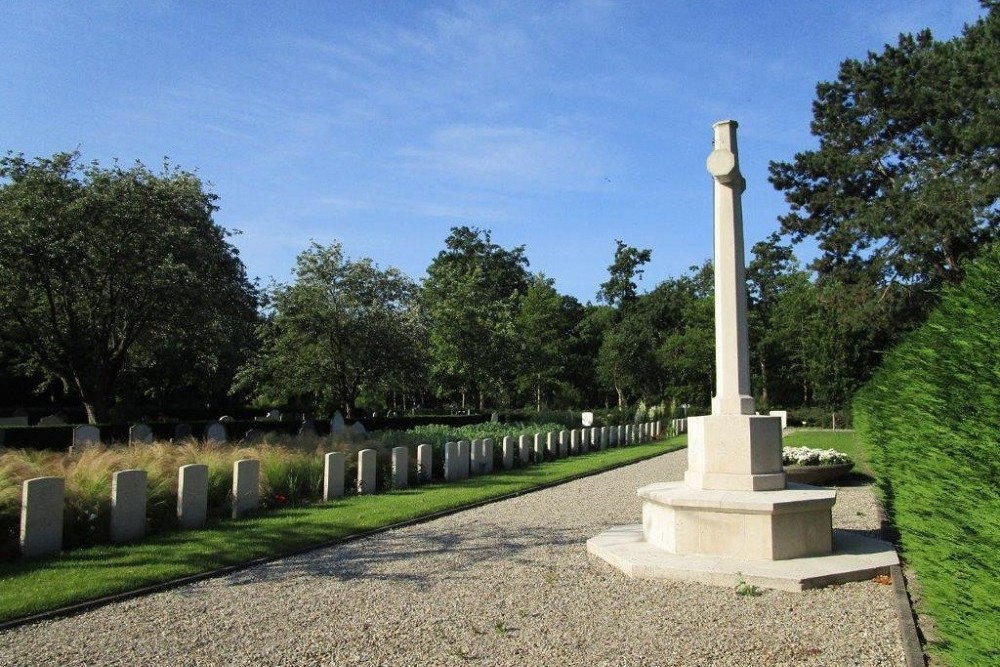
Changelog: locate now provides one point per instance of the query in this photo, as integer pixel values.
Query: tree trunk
(763, 383)
(538, 397)
(621, 396)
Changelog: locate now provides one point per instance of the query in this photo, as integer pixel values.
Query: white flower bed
(806, 456)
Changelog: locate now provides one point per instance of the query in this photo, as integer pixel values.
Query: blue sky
(558, 125)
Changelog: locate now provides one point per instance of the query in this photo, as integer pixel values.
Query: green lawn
(842, 441)
(33, 587)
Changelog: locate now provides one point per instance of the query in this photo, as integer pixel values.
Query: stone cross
(732, 348)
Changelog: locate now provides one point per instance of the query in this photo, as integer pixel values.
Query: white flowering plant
(807, 456)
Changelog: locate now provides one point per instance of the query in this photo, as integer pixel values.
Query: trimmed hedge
(929, 420)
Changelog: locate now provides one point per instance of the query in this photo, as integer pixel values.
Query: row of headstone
(43, 498)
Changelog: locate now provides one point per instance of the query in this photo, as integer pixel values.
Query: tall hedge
(930, 422)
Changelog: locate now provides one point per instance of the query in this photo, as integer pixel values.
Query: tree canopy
(113, 271)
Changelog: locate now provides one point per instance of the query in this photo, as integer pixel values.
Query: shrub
(929, 420)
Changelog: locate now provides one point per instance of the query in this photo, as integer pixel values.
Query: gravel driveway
(505, 584)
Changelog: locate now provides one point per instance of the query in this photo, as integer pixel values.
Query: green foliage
(341, 328)
(905, 182)
(470, 298)
(118, 274)
(620, 289)
(928, 421)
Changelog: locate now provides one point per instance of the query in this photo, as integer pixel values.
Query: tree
(905, 183)
(542, 339)
(341, 328)
(102, 269)
(620, 290)
(470, 297)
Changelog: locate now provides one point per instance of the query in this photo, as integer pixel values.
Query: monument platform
(854, 558)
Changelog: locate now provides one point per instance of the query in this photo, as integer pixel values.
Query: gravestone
(128, 505)
(337, 424)
(494, 418)
(524, 449)
(508, 453)
(476, 465)
(43, 501)
(273, 415)
(226, 418)
(85, 435)
(140, 434)
(367, 471)
(552, 444)
(563, 444)
(783, 414)
(400, 467)
(451, 467)
(425, 462)
(487, 455)
(587, 419)
(182, 432)
(333, 475)
(246, 487)
(358, 431)
(574, 441)
(604, 437)
(52, 420)
(192, 495)
(464, 450)
(539, 448)
(215, 432)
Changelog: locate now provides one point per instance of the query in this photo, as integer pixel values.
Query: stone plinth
(757, 525)
(734, 452)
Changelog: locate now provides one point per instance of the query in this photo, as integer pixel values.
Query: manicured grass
(843, 441)
(33, 587)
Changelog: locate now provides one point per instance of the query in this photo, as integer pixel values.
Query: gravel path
(505, 584)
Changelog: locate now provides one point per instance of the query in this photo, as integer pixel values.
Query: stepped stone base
(756, 525)
(854, 558)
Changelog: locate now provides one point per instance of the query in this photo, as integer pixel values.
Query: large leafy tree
(114, 273)
(620, 290)
(470, 297)
(344, 326)
(542, 340)
(904, 185)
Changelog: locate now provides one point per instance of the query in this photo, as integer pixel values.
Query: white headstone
(524, 449)
(508, 452)
(464, 451)
(538, 453)
(400, 467)
(42, 507)
(486, 456)
(128, 505)
(192, 495)
(588, 419)
(425, 462)
(451, 467)
(574, 441)
(367, 470)
(246, 487)
(333, 475)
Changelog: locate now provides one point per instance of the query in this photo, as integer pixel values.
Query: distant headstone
(539, 448)
(574, 441)
(552, 444)
(495, 417)
(182, 432)
(52, 420)
(588, 419)
(486, 455)
(524, 449)
(226, 418)
(86, 435)
(563, 444)
(464, 451)
(128, 505)
(337, 424)
(42, 506)
(140, 434)
(508, 453)
(358, 430)
(780, 413)
(273, 415)
(475, 462)
(216, 432)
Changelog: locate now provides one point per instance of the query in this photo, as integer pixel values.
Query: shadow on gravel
(447, 552)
